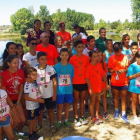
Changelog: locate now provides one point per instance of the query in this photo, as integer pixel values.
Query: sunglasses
(33, 43)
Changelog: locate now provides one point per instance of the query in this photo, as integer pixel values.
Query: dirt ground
(109, 130)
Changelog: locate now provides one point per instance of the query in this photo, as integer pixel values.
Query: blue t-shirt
(107, 55)
(65, 73)
(133, 69)
(126, 52)
(73, 51)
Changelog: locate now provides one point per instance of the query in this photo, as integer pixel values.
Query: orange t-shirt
(95, 73)
(77, 79)
(66, 36)
(51, 52)
(116, 63)
(105, 70)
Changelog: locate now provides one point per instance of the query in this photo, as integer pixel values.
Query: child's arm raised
(54, 88)
(34, 100)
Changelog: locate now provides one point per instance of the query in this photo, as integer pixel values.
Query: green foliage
(22, 20)
(102, 23)
(114, 25)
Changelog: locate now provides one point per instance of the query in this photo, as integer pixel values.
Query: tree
(126, 24)
(22, 20)
(102, 23)
(114, 25)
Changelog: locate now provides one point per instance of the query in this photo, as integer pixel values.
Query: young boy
(46, 79)
(65, 73)
(91, 45)
(32, 97)
(79, 62)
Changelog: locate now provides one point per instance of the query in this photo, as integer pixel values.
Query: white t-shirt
(20, 63)
(33, 92)
(31, 59)
(42, 80)
(4, 107)
(86, 51)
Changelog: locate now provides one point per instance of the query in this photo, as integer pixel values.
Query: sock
(123, 113)
(135, 117)
(59, 121)
(116, 109)
(34, 132)
(30, 135)
(66, 120)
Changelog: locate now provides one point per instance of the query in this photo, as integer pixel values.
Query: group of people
(60, 70)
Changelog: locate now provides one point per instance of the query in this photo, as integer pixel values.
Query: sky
(108, 10)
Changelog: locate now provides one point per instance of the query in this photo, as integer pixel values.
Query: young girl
(117, 65)
(133, 74)
(12, 83)
(125, 45)
(5, 118)
(94, 75)
(103, 65)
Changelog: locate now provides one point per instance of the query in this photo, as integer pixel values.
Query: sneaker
(86, 109)
(77, 122)
(58, 125)
(136, 121)
(116, 115)
(83, 120)
(37, 136)
(22, 134)
(44, 116)
(99, 119)
(106, 116)
(67, 123)
(95, 120)
(38, 128)
(125, 119)
(52, 129)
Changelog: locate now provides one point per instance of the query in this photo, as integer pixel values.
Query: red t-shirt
(9, 82)
(51, 52)
(77, 79)
(95, 73)
(116, 63)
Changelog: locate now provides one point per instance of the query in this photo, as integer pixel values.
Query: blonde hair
(55, 39)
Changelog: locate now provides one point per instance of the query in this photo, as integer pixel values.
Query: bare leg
(59, 111)
(66, 110)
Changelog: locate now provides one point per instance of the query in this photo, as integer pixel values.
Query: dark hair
(102, 29)
(31, 39)
(19, 45)
(30, 70)
(82, 29)
(137, 55)
(64, 50)
(117, 46)
(134, 44)
(5, 53)
(91, 52)
(138, 36)
(46, 23)
(36, 20)
(75, 26)
(8, 59)
(123, 38)
(61, 23)
(39, 54)
(90, 37)
(108, 40)
(77, 43)
(103, 66)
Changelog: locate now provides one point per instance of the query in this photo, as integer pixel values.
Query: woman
(47, 27)
(12, 83)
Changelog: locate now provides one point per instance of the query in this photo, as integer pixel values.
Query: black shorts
(80, 87)
(48, 103)
(33, 113)
(108, 78)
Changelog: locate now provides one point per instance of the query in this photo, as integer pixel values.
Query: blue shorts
(5, 123)
(33, 113)
(120, 87)
(64, 98)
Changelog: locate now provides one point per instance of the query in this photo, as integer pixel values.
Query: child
(65, 73)
(91, 45)
(5, 118)
(103, 65)
(46, 79)
(106, 55)
(58, 43)
(117, 65)
(125, 45)
(79, 62)
(94, 75)
(133, 74)
(32, 97)
(30, 58)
